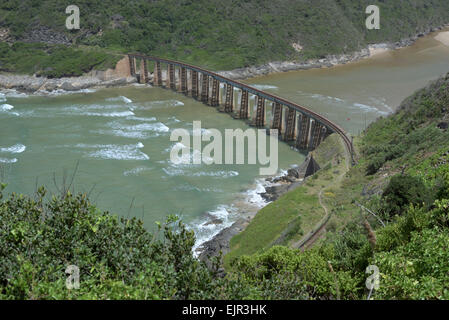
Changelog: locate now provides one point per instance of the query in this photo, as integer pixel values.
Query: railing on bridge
(295, 123)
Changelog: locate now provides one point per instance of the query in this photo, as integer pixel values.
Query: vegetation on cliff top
(216, 34)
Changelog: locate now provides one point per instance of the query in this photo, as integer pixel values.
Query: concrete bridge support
(205, 88)
(229, 103)
(260, 112)
(195, 88)
(290, 125)
(244, 104)
(183, 77)
(157, 78)
(214, 101)
(132, 66)
(303, 132)
(314, 130)
(277, 116)
(171, 76)
(143, 71)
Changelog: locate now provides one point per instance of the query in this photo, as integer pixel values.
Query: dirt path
(309, 239)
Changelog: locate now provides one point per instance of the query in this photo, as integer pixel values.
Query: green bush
(402, 191)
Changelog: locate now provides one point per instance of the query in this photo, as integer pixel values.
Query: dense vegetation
(407, 189)
(407, 240)
(216, 34)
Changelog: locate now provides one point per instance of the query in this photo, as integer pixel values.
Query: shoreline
(276, 187)
(32, 84)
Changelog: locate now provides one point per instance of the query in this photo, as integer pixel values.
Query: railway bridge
(298, 125)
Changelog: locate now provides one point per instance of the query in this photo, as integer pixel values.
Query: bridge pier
(260, 112)
(195, 90)
(183, 77)
(171, 76)
(143, 71)
(132, 66)
(205, 88)
(214, 101)
(229, 102)
(157, 78)
(303, 132)
(290, 125)
(277, 116)
(244, 104)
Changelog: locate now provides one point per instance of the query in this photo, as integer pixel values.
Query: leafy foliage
(226, 34)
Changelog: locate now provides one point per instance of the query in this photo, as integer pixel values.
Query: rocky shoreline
(117, 78)
(280, 185)
(327, 62)
(31, 84)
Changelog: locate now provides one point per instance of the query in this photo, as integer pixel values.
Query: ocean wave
(136, 171)
(368, 108)
(161, 104)
(206, 229)
(6, 107)
(177, 171)
(17, 148)
(6, 160)
(120, 98)
(264, 87)
(141, 118)
(157, 127)
(108, 114)
(115, 152)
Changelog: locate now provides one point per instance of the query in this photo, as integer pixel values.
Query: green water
(120, 138)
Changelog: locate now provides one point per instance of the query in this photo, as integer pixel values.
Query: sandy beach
(443, 37)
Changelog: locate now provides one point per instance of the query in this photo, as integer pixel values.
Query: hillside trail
(309, 239)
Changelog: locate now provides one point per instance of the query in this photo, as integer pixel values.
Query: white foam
(369, 108)
(120, 98)
(253, 196)
(205, 231)
(5, 160)
(220, 174)
(141, 118)
(115, 152)
(17, 148)
(264, 87)
(109, 114)
(6, 107)
(162, 104)
(136, 171)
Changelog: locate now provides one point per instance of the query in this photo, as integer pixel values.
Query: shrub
(402, 191)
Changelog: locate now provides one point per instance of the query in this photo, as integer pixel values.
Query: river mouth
(356, 94)
(120, 137)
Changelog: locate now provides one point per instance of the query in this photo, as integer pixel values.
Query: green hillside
(215, 34)
(403, 177)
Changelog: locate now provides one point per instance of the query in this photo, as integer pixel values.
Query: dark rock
(443, 125)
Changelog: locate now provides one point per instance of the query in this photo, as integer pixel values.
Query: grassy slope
(295, 213)
(407, 141)
(225, 34)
